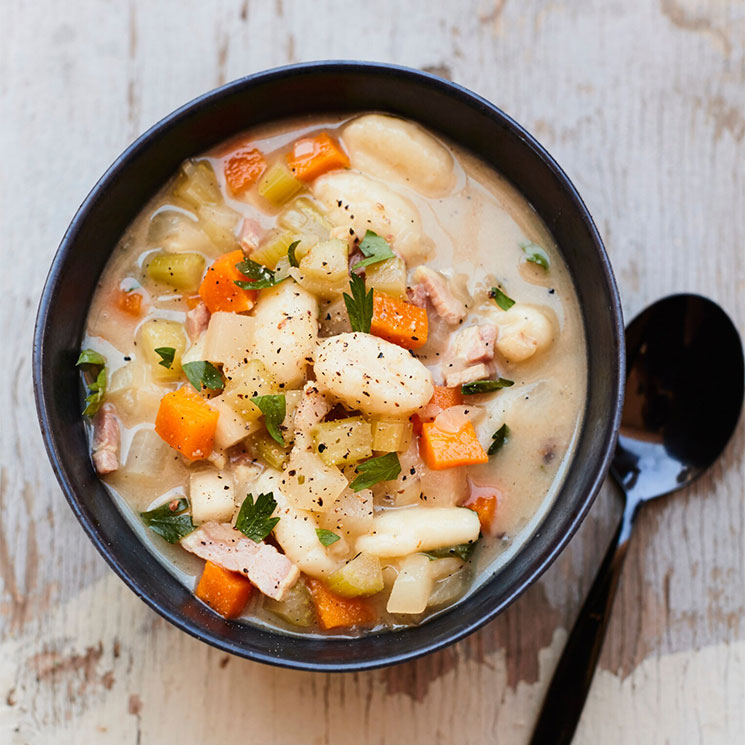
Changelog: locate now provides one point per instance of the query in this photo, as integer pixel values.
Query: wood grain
(643, 104)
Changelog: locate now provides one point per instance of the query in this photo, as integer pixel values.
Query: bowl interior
(141, 171)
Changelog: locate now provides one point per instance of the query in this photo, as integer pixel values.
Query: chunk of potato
(159, 333)
(228, 339)
(413, 586)
(324, 269)
(211, 496)
(309, 483)
(396, 150)
(244, 382)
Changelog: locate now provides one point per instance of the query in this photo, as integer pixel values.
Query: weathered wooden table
(643, 103)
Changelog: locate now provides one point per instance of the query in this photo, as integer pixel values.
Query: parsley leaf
(485, 386)
(291, 254)
(359, 304)
(97, 386)
(167, 354)
(261, 277)
(503, 301)
(274, 409)
(463, 551)
(375, 248)
(89, 357)
(169, 520)
(255, 520)
(499, 438)
(535, 254)
(203, 374)
(326, 537)
(384, 468)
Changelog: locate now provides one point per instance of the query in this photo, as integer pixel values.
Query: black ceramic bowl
(146, 165)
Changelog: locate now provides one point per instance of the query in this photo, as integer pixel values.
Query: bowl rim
(617, 370)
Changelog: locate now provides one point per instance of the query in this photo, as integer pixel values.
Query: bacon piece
(197, 320)
(106, 440)
(272, 572)
(445, 304)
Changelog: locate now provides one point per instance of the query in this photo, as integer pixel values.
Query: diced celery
(197, 184)
(182, 271)
(158, 333)
(311, 484)
(278, 185)
(269, 450)
(174, 232)
(391, 435)
(246, 381)
(296, 608)
(292, 399)
(306, 217)
(362, 576)
(220, 222)
(324, 271)
(273, 247)
(388, 277)
(343, 441)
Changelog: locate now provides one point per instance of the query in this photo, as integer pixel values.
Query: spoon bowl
(675, 421)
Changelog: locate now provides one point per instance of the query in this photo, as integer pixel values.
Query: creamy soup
(334, 373)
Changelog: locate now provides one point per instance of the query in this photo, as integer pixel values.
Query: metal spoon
(684, 392)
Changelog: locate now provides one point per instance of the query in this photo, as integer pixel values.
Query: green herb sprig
(326, 537)
(170, 520)
(203, 374)
(90, 361)
(499, 438)
(291, 254)
(167, 355)
(485, 386)
(273, 408)
(255, 519)
(535, 254)
(261, 276)
(501, 299)
(359, 304)
(384, 468)
(463, 551)
(375, 248)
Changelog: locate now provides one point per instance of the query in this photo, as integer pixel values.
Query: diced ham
(445, 304)
(312, 408)
(272, 572)
(197, 320)
(250, 235)
(106, 440)
(417, 295)
(474, 344)
(468, 375)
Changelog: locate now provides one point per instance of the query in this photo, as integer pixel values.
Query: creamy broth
(477, 231)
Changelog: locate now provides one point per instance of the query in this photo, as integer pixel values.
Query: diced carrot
(445, 397)
(312, 156)
(129, 302)
(225, 592)
(244, 168)
(485, 508)
(399, 322)
(335, 611)
(219, 290)
(440, 449)
(187, 422)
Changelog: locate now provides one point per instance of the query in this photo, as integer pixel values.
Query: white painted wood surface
(643, 103)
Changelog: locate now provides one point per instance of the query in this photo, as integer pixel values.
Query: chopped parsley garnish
(167, 354)
(291, 254)
(503, 301)
(96, 386)
(384, 468)
(499, 438)
(261, 276)
(485, 386)
(535, 254)
(463, 551)
(326, 537)
(375, 248)
(203, 374)
(274, 409)
(255, 519)
(359, 304)
(170, 520)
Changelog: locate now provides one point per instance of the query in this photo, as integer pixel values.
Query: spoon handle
(566, 695)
